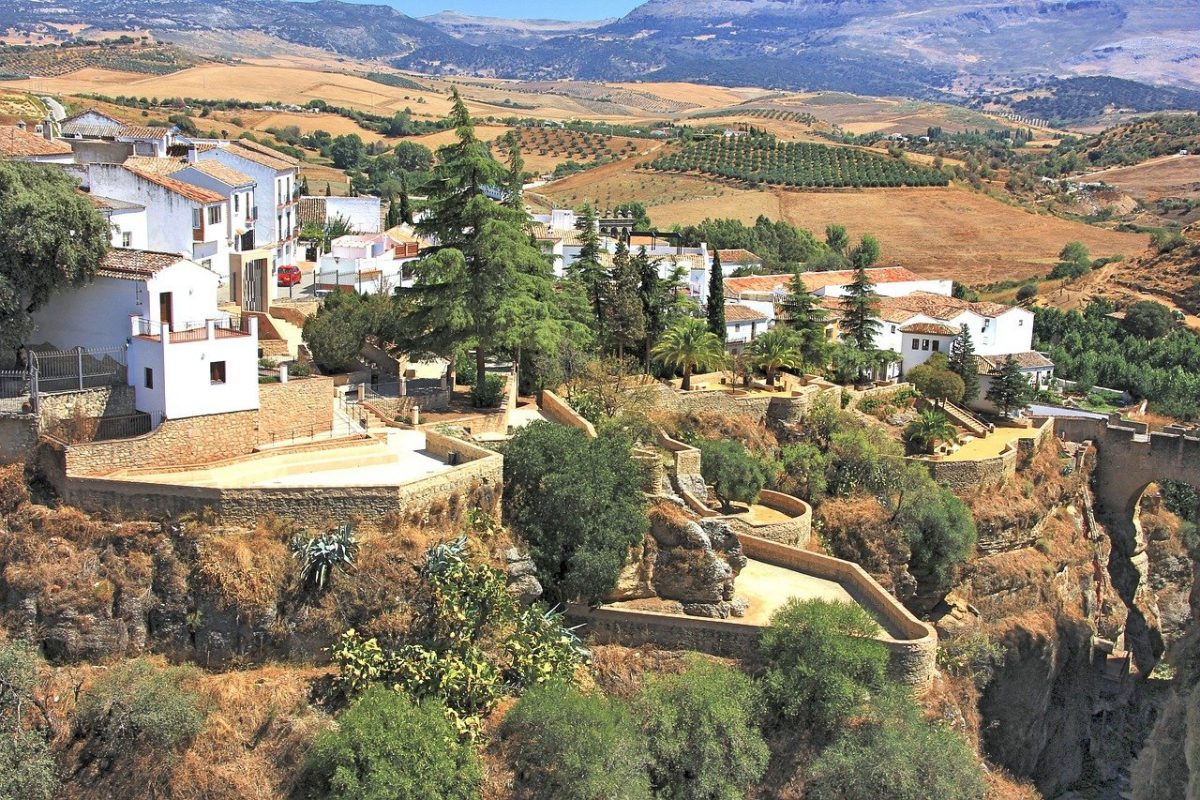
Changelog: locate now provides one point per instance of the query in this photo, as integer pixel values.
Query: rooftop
(1027, 360)
(261, 154)
(144, 132)
(221, 172)
(155, 165)
(95, 111)
(738, 256)
(186, 190)
(112, 204)
(17, 143)
(737, 313)
(930, 329)
(814, 280)
(938, 306)
(135, 265)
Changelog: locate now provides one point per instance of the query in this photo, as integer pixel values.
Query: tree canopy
(51, 238)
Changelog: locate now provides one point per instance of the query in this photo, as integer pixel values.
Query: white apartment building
(276, 194)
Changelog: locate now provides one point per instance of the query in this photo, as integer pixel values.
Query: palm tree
(776, 349)
(924, 433)
(689, 345)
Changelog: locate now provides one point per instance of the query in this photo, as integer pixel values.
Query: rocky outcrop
(522, 576)
(692, 562)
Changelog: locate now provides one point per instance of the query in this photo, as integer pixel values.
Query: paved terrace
(977, 449)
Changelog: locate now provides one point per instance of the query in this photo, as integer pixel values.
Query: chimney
(48, 128)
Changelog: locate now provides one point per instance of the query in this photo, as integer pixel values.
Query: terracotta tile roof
(81, 131)
(186, 190)
(842, 277)
(16, 143)
(261, 154)
(736, 313)
(144, 132)
(311, 210)
(756, 284)
(221, 172)
(939, 306)
(135, 265)
(1029, 360)
(155, 165)
(738, 256)
(930, 329)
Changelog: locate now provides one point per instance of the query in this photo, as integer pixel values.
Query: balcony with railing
(223, 327)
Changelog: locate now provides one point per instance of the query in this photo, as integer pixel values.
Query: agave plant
(318, 555)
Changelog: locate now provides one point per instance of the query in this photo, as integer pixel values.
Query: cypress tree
(860, 307)
(405, 205)
(962, 362)
(626, 316)
(715, 309)
(586, 270)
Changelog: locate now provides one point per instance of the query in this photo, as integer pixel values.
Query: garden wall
(558, 410)
(18, 436)
(912, 645)
(796, 531)
(298, 408)
(102, 401)
(962, 476)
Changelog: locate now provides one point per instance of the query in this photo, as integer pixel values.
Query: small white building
(1036, 368)
(743, 325)
(185, 358)
(365, 263)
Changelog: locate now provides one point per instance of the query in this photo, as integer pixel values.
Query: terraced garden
(762, 160)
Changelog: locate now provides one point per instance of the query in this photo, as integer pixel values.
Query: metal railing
(14, 383)
(193, 330)
(341, 428)
(81, 368)
(79, 429)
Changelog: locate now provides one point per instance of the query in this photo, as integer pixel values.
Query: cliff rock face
(692, 562)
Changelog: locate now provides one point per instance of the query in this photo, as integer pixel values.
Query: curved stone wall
(795, 531)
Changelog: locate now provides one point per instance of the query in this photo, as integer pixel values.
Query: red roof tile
(738, 313)
(186, 190)
(17, 143)
(136, 264)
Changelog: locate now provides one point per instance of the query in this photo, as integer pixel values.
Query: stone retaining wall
(18, 436)
(912, 660)
(286, 410)
(962, 476)
(307, 505)
(102, 401)
(784, 406)
(558, 410)
(795, 531)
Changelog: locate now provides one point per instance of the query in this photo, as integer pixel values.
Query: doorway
(165, 315)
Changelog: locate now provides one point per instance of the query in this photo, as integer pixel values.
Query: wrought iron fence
(14, 383)
(80, 429)
(81, 368)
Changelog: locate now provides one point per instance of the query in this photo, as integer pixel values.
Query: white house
(181, 218)
(185, 358)
(276, 195)
(238, 190)
(1036, 368)
(367, 263)
(96, 136)
(128, 221)
(743, 325)
(733, 260)
(19, 144)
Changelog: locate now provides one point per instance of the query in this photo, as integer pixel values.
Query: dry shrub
(14, 491)
(620, 670)
(244, 570)
(858, 530)
(754, 435)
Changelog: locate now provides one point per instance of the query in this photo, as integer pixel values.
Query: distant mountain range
(922, 48)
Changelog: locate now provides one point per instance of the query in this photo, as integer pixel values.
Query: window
(1020, 323)
(216, 371)
(916, 344)
(893, 329)
(737, 328)
(148, 378)
(197, 218)
(126, 239)
(207, 264)
(936, 345)
(924, 344)
(236, 202)
(214, 215)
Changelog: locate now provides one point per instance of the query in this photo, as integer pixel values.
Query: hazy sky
(518, 9)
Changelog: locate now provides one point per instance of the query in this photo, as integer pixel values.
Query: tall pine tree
(715, 307)
(962, 362)
(514, 181)
(586, 270)
(860, 312)
(626, 317)
(804, 314)
(1010, 389)
(487, 286)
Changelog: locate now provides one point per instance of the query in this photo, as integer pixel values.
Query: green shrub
(319, 555)
(733, 471)
(578, 503)
(821, 663)
(1028, 291)
(489, 394)
(386, 746)
(940, 531)
(898, 756)
(570, 746)
(704, 740)
(140, 702)
(27, 768)
(1164, 241)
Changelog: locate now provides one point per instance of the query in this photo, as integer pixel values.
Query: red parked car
(288, 275)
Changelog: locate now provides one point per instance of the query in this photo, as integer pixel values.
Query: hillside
(922, 48)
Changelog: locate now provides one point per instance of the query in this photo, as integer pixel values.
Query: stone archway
(1129, 459)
